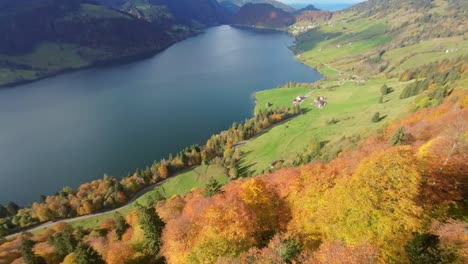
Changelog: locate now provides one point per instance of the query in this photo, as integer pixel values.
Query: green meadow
(46, 59)
(348, 113)
(177, 185)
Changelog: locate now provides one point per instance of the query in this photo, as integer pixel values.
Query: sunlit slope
(358, 51)
(386, 37)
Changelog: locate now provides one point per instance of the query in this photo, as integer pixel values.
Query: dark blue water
(76, 127)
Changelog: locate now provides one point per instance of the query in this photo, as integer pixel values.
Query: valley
(365, 165)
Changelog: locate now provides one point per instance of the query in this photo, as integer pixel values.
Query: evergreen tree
(292, 248)
(64, 242)
(12, 208)
(384, 89)
(213, 187)
(3, 211)
(376, 117)
(425, 248)
(27, 252)
(121, 226)
(85, 254)
(152, 226)
(398, 138)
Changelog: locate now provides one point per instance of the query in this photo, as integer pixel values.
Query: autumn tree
(163, 170)
(265, 205)
(337, 252)
(306, 198)
(69, 259)
(452, 235)
(378, 204)
(119, 253)
(226, 227)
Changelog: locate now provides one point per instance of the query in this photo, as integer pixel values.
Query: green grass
(185, 182)
(426, 52)
(351, 104)
(278, 97)
(45, 59)
(338, 40)
(177, 185)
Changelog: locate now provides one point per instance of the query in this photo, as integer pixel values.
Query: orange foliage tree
(119, 253)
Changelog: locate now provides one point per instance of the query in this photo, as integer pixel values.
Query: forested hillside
(240, 3)
(366, 166)
(46, 37)
(263, 16)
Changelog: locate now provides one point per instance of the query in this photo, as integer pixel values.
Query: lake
(76, 127)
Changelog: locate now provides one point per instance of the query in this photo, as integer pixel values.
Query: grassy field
(426, 52)
(345, 42)
(337, 48)
(47, 58)
(184, 183)
(351, 105)
(177, 185)
(338, 39)
(278, 97)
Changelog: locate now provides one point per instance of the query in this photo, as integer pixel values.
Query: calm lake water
(76, 127)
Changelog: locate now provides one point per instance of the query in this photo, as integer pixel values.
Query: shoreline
(122, 61)
(117, 61)
(110, 62)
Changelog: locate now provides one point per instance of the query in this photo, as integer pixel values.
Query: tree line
(109, 192)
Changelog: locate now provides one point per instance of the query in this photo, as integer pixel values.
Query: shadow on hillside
(382, 117)
(310, 40)
(246, 171)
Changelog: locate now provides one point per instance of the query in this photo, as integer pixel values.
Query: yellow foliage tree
(163, 171)
(69, 259)
(265, 205)
(377, 204)
(305, 199)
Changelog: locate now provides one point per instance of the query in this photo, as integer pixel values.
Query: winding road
(74, 219)
(137, 195)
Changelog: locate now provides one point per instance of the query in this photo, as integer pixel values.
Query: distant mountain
(240, 3)
(197, 13)
(309, 8)
(205, 12)
(263, 15)
(230, 7)
(313, 16)
(44, 37)
(76, 22)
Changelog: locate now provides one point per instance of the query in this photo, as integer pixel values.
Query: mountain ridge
(263, 16)
(277, 4)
